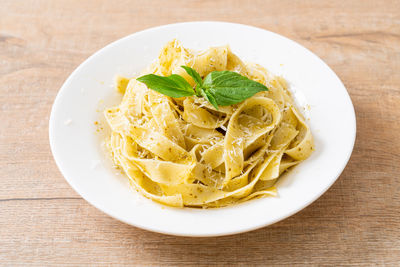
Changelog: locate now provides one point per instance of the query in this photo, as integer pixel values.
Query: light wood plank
(44, 222)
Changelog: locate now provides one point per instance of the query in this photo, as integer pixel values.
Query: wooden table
(44, 222)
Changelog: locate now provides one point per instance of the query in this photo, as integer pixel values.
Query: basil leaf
(210, 98)
(230, 88)
(173, 85)
(194, 74)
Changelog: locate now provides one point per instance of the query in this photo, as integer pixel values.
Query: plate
(75, 139)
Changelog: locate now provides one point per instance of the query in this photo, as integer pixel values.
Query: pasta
(184, 152)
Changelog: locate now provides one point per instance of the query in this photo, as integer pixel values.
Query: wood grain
(44, 222)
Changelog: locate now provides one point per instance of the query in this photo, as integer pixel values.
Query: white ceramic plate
(76, 144)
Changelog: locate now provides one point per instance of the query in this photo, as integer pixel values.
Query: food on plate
(204, 129)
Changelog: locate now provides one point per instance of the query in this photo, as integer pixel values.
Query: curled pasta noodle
(183, 152)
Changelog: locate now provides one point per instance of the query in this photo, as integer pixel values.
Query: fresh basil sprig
(220, 88)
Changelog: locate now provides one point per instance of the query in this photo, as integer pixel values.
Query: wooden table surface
(44, 222)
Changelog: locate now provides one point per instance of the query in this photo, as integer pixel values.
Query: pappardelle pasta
(185, 152)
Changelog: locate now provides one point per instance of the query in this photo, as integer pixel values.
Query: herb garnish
(220, 88)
